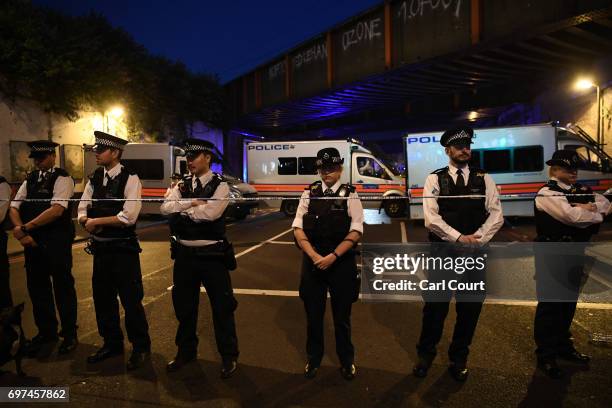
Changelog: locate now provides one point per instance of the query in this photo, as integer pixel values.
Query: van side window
(475, 160)
(513, 159)
(369, 167)
(530, 158)
(287, 166)
(496, 161)
(307, 165)
(147, 169)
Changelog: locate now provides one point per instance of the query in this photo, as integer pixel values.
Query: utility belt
(129, 245)
(223, 251)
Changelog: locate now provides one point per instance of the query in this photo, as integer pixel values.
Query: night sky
(227, 38)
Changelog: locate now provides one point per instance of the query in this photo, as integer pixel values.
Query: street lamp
(116, 112)
(587, 83)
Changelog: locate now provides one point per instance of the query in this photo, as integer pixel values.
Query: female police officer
(327, 230)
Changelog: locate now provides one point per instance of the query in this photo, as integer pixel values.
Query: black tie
(329, 192)
(198, 184)
(108, 179)
(460, 182)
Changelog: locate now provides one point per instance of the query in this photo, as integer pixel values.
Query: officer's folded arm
(560, 209)
(210, 210)
(173, 202)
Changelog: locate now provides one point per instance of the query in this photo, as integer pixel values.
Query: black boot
(103, 353)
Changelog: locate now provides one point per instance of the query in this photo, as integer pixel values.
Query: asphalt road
(271, 332)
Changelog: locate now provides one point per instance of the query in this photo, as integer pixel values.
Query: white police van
(514, 156)
(285, 169)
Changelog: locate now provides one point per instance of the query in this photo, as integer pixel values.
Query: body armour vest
(327, 222)
(550, 229)
(184, 227)
(114, 189)
(465, 215)
(43, 190)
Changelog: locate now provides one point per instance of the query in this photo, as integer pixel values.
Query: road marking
(504, 302)
(403, 229)
(122, 314)
(246, 251)
(90, 298)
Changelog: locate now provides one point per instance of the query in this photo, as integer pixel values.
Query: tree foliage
(66, 63)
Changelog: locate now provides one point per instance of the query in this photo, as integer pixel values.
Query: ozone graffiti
(363, 31)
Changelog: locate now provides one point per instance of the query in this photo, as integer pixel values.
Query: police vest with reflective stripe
(184, 227)
(114, 190)
(327, 222)
(43, 190)
(550, 229)
(465, 215)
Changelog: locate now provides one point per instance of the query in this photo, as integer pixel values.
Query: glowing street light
(116, 112)
(587, 83)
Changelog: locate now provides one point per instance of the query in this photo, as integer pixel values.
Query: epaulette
(442, 170)
(477, 171)
(316, 185)
(61, 172)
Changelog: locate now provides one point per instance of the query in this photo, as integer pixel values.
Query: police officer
(46, 232)
(5, 287)
(115, 248)
(470, 221)
(565, 211)
(327, 231)
(202, 256)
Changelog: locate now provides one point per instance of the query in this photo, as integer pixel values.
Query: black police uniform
(49, 265)
(465, 215)
(559, 275)
(207, 265)
(326, 225)
(5, 287)
(116, 268)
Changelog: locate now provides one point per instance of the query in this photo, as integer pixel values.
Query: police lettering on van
(271, 147)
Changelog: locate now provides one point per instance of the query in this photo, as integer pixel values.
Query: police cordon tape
(275, 198)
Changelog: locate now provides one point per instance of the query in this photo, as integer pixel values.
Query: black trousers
(48, 273)
(116, 273)
(191, 271)
(343, 283)
(468, 307)
(558, 280)
(5, 285)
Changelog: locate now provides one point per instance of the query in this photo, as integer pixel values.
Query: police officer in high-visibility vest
(108, 210)
(45, 230)
(5, 286)
(565, 212)
(327, 229)
(469, 221)
(202, 256)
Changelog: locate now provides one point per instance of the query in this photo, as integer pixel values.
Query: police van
(515, 157)
(285, 169)
(158, 163)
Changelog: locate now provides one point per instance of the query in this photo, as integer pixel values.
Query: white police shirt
(435, 223)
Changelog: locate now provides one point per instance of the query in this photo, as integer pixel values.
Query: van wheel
(289, 207)
(395, 208)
